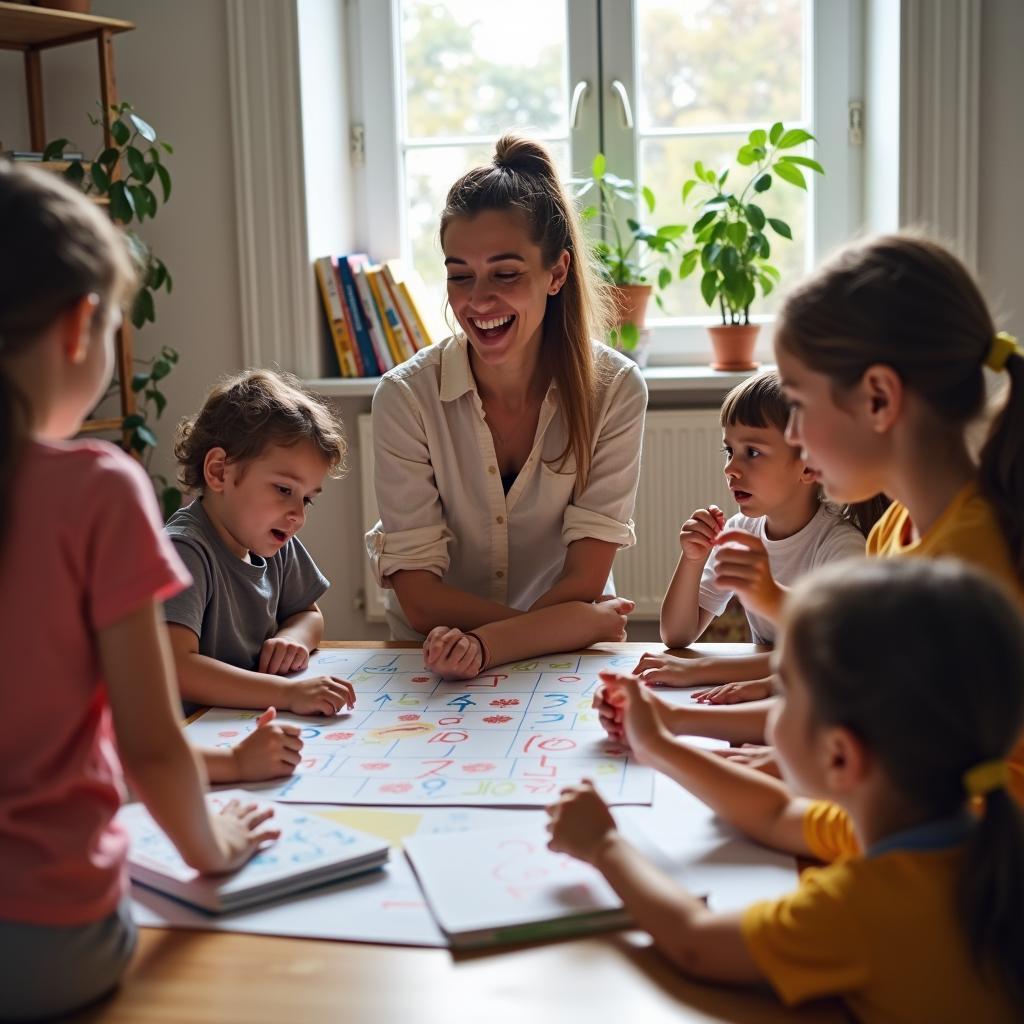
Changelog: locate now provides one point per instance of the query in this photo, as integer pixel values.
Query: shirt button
(492, 470)
(499, 574)
(499, 520)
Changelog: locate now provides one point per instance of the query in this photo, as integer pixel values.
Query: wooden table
(211, 978)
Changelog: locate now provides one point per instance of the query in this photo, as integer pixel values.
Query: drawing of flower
(375, 766)
(408, 718)
(505, 702)
(396, 787)
(497, 719)
(481, 766)
(228, 732)
(339, 735)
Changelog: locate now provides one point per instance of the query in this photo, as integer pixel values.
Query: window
(654, 84)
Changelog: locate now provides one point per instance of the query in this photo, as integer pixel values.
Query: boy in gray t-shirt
(257, 455)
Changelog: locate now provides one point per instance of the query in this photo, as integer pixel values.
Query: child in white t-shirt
(782, 531)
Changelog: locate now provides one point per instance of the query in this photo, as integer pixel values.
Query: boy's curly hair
(247, 413)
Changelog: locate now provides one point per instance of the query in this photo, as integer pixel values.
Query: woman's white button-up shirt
(439, 491)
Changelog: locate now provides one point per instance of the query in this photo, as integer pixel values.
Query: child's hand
(735, 693)
(239, 832)
(269, 752)
(666, 670)
(452, 654)
(762, 759)
(325, 695)
(610, 704)
(281, 654)
(580, 822)
(741, 565)
(641, 711)
(697, 535)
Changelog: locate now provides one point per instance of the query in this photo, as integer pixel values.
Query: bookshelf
(33, 30)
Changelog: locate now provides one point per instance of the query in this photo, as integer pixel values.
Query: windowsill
(661, 379)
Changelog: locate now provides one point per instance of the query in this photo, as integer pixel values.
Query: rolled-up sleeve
(412, 532)
(603, 510)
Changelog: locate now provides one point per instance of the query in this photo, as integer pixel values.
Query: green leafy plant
(732, 246)
(630, 254)
(127, 174)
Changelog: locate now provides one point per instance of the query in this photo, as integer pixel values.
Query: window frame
(836, 77)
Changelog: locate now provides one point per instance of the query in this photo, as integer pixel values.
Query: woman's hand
(609, 616)
(741, 565)
(453, 654)
(697, 535)
(581, 823)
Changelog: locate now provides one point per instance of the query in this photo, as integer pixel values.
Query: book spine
(373, 280)
(400, 297)
(332, 307)
(419, 329)
(355, 312)
(373, 324)
(350, 330)
(402, 339)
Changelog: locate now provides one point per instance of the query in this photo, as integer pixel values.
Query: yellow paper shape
(394, 826)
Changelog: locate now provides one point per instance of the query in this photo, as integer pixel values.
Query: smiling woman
(507, 457)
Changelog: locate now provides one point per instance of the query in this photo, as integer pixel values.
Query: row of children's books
(379, 314)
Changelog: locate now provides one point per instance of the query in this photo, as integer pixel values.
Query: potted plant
(732, 245)
(122, 175)
(628, 258)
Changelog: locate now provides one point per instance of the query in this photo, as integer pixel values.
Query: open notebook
(311, 850)
(503, 885)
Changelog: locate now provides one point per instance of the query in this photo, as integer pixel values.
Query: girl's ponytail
(1002, 458)
(992, 892)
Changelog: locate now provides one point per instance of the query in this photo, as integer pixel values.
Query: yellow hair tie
(1003, 346)
(985, 777)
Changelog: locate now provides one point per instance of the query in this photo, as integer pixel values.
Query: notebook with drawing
(494, 886)
(311, 850)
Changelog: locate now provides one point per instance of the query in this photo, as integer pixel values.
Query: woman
(507, 457)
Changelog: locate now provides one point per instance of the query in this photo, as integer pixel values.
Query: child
(920, 913)
(781, 514)
(84, 567)
(882, 355)
(257, 455)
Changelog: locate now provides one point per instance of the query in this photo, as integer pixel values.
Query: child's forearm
(759, 805)
(725, 669)
(735, 723)
(306, 627)
(220, 764)
(205, 680)
(655, 902)
(681, 619)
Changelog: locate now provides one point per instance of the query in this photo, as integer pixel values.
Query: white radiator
(681, 470)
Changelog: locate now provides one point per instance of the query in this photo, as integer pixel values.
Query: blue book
(355, 307)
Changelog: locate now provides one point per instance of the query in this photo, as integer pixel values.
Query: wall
(173, 68)
(1001, 214)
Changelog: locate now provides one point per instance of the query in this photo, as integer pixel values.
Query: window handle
(578, 92)
(627, 111)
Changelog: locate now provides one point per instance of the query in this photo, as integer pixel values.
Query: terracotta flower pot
(733, 346)
(631, 303)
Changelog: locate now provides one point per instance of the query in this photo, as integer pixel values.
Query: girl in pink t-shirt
(87, 681)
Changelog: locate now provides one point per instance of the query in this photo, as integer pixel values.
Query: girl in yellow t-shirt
(882, 355)
(919, 913)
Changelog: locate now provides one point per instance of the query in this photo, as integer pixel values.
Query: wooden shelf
(24, 28)
(96, 426)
